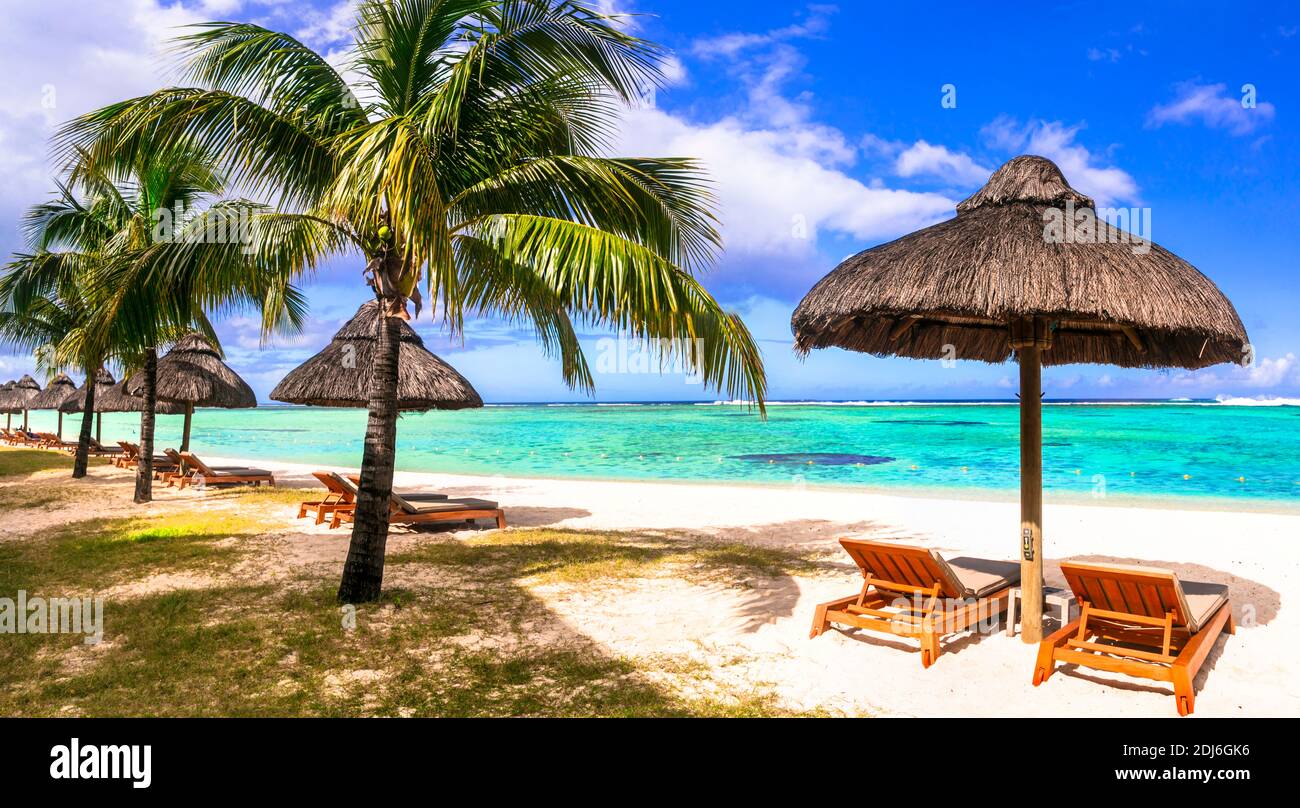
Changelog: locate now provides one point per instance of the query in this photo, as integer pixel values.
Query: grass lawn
(470, 639)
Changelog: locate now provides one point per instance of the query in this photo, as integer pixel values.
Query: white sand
(759, 636)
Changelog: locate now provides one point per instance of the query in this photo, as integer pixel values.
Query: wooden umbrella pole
(1031, 494)
(1030, 338)
(99, 427)
(60, 433)
(185, 437)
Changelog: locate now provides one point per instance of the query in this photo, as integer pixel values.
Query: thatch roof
(192, 373)
(17, 396)
(54, 394)
(960, 283)
(339, 376)
(77, 401)
(5, 389)
(117, 399)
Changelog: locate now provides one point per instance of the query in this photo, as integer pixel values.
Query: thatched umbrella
(1025, 269)
(54, 394)
(77, 401)
(5, 390)
(117, 399)
(18, 398)
(339, 376)
(193, 375)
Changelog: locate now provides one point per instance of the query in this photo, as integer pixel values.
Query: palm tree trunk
(87, 420)
(144, 464)
(363, 573)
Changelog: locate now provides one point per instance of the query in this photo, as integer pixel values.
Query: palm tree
(42, 309)
(465, 154)
(139, 245)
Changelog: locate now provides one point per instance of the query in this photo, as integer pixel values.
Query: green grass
(15, 462)
(470, 640)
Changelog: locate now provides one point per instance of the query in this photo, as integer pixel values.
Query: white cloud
(729, 45)
(776, 196)
(1057, 142)
(1213, 106)
(921, 158)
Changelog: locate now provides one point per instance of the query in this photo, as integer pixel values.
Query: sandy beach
(756, 635)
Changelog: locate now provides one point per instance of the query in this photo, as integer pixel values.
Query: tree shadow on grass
(473, 642)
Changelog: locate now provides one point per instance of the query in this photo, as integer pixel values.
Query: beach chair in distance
(942, 596)
(130, 454)
(414, 509)
(1140, 621)
(220, 475)
(162, 464)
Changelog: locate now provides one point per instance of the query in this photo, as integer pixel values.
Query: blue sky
(824, 131)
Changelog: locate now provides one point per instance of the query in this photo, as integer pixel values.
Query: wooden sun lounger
(220, 475)
(340, 495)
(425, 509)
(1141, 621)
(131, 459)
(942, 597)
(176, 463)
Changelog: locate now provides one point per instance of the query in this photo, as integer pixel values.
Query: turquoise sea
(1179, 452)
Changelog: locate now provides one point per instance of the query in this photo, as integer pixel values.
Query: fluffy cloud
(1057, 142)
(1213, 106)
(921, 158)
(776, 196)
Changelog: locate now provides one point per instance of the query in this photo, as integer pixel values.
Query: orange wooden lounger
(425, 509)
(340, 495)
(1141, 621)
(220, 475)
(943, 597)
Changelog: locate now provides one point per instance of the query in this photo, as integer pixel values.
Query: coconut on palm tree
(460, 149)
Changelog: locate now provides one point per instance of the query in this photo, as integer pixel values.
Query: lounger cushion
(981, 577)
(449, 505)
(1203, 600)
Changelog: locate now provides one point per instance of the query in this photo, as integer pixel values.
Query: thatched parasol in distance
(54, 394)
(1003, 279)
(77, 401)
(5, 390)
(193, 375)
(117, 399)
(339, 376)
(18, 398)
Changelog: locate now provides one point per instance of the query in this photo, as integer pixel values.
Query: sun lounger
(942, 597)
(424, 509)
(131, 459)
(178, 468)
(49, 440)
(340, 495)
(1141, 621)
(220, 475)
(95, 448)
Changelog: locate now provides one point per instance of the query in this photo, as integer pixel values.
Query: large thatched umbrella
(1025, 269)
(339, 376)
(18, 398)
(193, 375)
(77, 401)
(54, 394)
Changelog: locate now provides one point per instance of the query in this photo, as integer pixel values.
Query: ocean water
(1235, 456)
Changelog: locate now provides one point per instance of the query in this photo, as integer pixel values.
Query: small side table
(1063, 599)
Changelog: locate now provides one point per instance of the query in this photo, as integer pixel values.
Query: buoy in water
(1241, 479)
(1187, 476)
